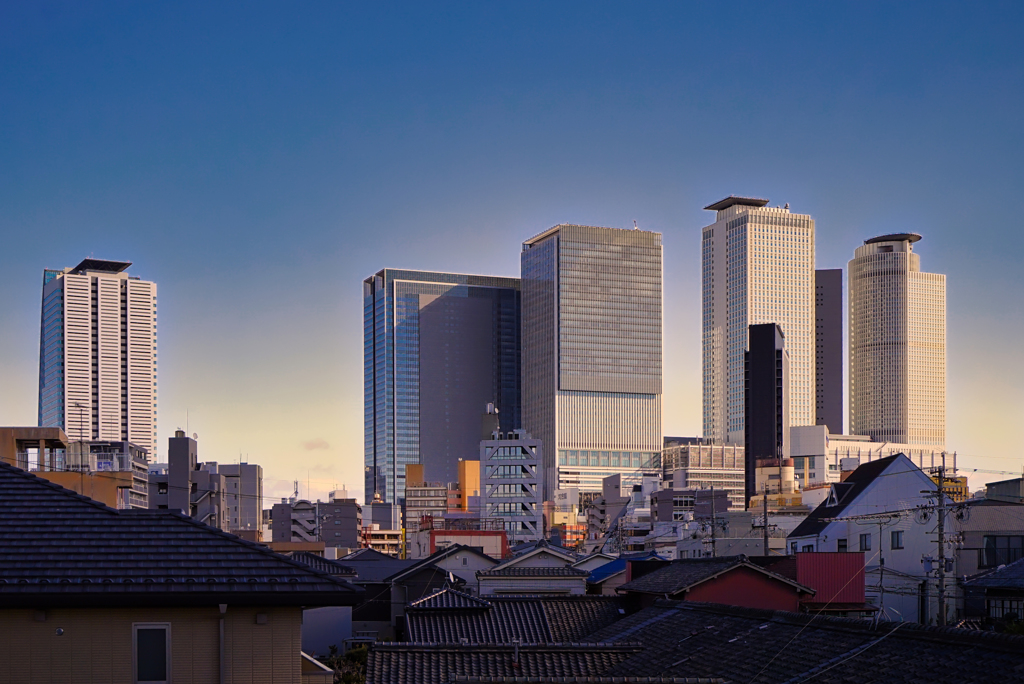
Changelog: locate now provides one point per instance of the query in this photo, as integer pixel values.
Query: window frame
(896, 540)
(136, 626)
(865, 537)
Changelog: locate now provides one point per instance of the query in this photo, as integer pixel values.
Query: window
(808, 548)
(897, 539)
(152, 648)
(865, 542)
(841, 545)
(999, 550)
(792, 547)
(161, 487)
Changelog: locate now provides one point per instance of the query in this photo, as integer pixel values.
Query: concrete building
(897, 344)
(758, 267)
(766, 400)
(336, 523)
(182, 485)
(437, 347)
(511, 486)
(592, 357)
(243, 493)
(828, 349)
(819, 456)
(702, 466)
(97, 354)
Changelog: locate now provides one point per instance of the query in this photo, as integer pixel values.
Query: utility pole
(765, 521)
(714, 520)
(942, 542)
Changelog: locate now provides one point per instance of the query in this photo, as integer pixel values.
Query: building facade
(703, 466)
(511, 484)
(766, 400)
(758, 267)
(97, 354)
(828, 349)
(897, 344)
(436, 347)
(592, 358)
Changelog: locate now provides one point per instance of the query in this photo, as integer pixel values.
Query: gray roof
(847, 492)
(680, 575)
(60, 548)
(449, 599)
(684, 639)
(513, 571)
(389, 663)
(331, 567)
(531, 619)
(1009, 576)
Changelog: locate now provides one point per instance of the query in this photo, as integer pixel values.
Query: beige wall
(96, 645)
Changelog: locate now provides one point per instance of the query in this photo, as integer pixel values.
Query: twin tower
(572, 350)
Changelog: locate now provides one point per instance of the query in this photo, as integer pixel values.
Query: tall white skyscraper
(758, 267)
(591, 359)
(97, 356)
(897, 344)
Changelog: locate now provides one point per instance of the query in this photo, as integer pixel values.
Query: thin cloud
(314, 444)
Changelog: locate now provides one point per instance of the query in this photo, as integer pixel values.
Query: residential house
(545, 569)
(93, 594)
(1001, 593)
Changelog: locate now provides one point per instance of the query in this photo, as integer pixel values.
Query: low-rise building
(703, 466)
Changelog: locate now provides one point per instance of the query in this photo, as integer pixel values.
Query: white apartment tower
(97, 356)
(897, 344)
(758, 267)
(591, 352)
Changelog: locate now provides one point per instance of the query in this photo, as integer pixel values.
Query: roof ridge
(70, 493)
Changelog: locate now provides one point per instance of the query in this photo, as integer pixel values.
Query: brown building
(182, 601)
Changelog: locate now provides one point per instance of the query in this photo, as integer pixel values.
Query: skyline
(259, 192)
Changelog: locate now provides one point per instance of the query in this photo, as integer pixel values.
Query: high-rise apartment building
(897, 344)
(828, 348)
(97, 354)
(766, 385)
(592, 321)
(758, 267)
(436, 347)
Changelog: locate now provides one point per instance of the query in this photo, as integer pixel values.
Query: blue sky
(258, 160)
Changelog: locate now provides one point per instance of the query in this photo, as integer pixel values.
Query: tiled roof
(1010, 576)
(685, 639)
(563, 571)
(389, 663)
(449, 599)
(438, 555)
(683, 574)
(331, 567)
(596, 679)
(530, 619)
(847, 492)
(60, 548)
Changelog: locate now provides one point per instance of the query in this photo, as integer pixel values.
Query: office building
(436, 347)
(758, 267)
(703, 466)
(767, 413)
(897, 344)
(828, 349)
(97, 354)
(511, 481)
(592, 331)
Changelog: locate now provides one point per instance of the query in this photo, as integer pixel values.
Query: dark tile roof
(847, 492)
(369, 571)
(438, 663)
(532, 619)
(596, 679)
(433, 558)
(1010, 576)
(513, 571)
(367, 555)
(60, 548)
(683, 574)
(331, 567)
(746, 645)
(449, 599)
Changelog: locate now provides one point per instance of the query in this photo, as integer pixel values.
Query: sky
(258, 160)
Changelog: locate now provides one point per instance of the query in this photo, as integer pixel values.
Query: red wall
(747, 588)
(835, 576)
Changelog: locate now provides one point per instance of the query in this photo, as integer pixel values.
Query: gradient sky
(257, 161)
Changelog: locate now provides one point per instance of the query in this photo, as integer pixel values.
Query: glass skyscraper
(97, 354)
(437, 348)
(757, 267)
(592, 358)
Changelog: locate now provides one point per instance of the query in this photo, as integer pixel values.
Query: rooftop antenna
(635, 227)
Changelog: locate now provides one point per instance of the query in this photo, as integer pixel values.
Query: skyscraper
(766, 389)
(828, 349)
(758, 267)
(437, 348)
(97, 354)
(592, 320)
(897, 344)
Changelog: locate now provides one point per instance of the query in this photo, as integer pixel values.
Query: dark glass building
(437, 348)
(766, 399)
(828, 349)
